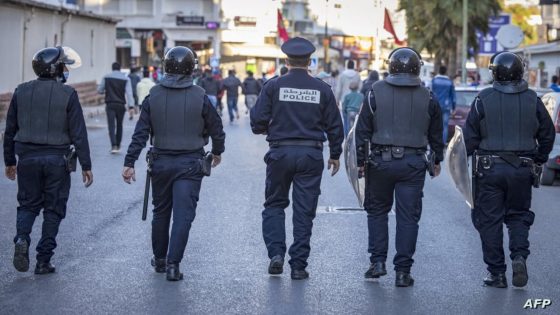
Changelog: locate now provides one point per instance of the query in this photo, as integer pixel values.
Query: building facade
(147, 28)
(27, 26)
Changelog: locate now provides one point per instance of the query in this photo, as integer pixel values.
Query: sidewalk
(91, 115)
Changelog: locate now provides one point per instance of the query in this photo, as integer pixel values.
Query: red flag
(282, 33)
(388, 26)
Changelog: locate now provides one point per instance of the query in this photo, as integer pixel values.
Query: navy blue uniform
(399, 179)
(43, 181)
(176, 182)
(503, 192)
(295, 111)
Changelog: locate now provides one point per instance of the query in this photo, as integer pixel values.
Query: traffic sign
(488, 43)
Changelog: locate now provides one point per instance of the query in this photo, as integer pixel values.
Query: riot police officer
(400, 118)
(179, 116)
(44, 119)
(295, 111)
(510, 133)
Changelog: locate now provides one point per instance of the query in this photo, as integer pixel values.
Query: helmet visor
(71, 58)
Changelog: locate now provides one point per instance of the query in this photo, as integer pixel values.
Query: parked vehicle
(551, 170)
(464, 97)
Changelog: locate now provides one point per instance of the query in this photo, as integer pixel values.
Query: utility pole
(465, 40)
(326, 39)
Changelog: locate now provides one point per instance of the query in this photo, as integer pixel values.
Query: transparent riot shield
(351, 163)
(458, 167)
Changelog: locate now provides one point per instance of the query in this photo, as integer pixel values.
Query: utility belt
(205, 161)
(388, 153)
(487, 161)
(303, 143)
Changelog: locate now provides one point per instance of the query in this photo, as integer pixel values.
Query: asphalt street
(104, 249)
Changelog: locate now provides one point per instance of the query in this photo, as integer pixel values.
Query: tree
(519, 16)
(436, 25)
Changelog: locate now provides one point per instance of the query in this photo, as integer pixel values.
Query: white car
(551, 169)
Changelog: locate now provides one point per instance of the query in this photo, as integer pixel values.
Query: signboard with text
(488, 43)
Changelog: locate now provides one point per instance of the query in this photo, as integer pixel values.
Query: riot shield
(351, 163)
(458, 167)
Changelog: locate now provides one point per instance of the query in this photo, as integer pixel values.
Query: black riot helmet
(180, 60)
(49, 62)
(405, 60)
(506, 67)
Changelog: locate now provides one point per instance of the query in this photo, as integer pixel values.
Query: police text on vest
(300, 95)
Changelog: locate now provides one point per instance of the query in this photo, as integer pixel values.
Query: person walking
(251, 89)
(351, 106)
(180, 118)
(554, 85)
(44, 119)
(444, 90)
(211, 86)
(134, 79)
(144, 86)
(231, 85)
(368, 83)
(400, 118)
(297, 113)
(510, 134)
(344, 79)
(118, 92)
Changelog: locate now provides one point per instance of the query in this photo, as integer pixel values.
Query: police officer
(179, 116)
(510, 133)
(44, 119)
(295, 111)
(400, 118)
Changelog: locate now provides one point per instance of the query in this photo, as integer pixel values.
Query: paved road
(104, 250)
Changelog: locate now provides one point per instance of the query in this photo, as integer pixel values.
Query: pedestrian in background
(180, 119)
(144, 86)
(400, 119)
(373, 77)
(251, 89)
(444, 90)
(509, 131)
(134, 79)
(211, 86)
(297, 113)
(554, 85)
(44, 118)
(231, 85)
(351, 106)
(118, 92)
(345, 78)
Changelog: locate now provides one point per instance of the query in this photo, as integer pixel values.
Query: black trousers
(403, 180)
(302, 167)
(503, 195)
(176, 185)
(43, 184)
(115, 114)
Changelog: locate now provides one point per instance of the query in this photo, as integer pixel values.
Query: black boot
(276, 265)
(299, 274)
(158, 264)
(376, 270)
(496, 280)
(44, 268)
(173, 272)
(403, 279)
(520, 276)
(21, 255)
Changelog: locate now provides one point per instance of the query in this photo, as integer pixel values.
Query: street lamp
(326, 39)
(465, 40)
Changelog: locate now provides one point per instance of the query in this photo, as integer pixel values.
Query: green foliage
(519, 16)
(436, 25)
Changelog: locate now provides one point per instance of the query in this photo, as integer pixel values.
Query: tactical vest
(510, 120)
(176, 116)
(401, 117)
(42, 112)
